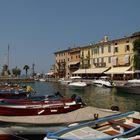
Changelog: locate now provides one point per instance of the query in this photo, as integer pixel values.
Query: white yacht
(77, 84)
(103, 82)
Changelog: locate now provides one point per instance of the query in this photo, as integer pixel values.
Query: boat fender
(114, 108)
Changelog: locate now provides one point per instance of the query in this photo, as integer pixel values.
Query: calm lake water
(91, 95)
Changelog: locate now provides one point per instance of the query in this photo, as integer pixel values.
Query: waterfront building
(113, 58)
(66, 62)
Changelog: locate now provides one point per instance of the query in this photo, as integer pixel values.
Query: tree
(16, 71)
(136, 50)
(136, 57)
(26, 68)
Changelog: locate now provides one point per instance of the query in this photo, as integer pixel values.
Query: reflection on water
(92, 95)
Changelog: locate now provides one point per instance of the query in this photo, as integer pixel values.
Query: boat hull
(28, 111)
(126, 89)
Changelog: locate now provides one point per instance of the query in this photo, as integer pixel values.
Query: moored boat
(27, 108)
(103, 81)
(13, 93)
(77, 84)
(130, 86)
(108, 128)
(17, 91)
(137, 137)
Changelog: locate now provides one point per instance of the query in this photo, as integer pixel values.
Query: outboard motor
(78, 99)
(115, 108)
(58, 94)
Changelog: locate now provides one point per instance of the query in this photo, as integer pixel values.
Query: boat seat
(121, 124)
(111, 132)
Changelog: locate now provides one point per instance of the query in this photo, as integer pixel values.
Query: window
(115, 49)
(96, 50)
(109, 59)
(97, 60)
(127, 48)
(102, 60)
(102, 49)
(94, 60)
(109, 48)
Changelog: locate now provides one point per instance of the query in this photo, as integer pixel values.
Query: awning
(91, 71)
(98, 70)
(80, 71)
(118, 70)
(74, 63)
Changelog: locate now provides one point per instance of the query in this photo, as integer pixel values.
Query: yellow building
(113, 58)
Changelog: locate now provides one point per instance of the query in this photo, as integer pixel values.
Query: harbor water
(91, 95)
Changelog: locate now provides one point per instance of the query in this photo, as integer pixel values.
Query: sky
(35, 29)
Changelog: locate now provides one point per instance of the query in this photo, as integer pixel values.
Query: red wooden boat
(39, 109)
(22, 103)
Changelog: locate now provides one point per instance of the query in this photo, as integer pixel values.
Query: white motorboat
(64, 81)
(103, 82)
(77, 84)
(42, 80)
(67, 81)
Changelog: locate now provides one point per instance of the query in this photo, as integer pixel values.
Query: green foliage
(26, 68)
(136, 45)
(16, 71)
(136, 58)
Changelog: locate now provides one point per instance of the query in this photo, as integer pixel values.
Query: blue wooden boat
(108, 128)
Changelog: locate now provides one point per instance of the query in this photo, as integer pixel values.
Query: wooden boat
(23, 103)
(38, 108)
(137, 137)
(107, 128)
(50, 100)
(13, 93)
